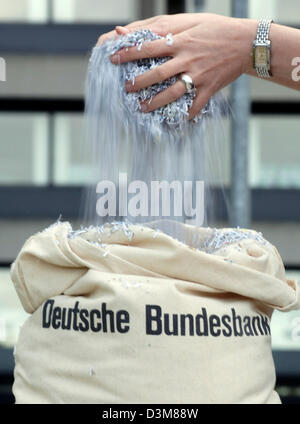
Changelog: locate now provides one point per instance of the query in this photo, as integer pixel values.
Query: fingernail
(128, 86)
(143, 107)
(122, 28)
(115, 59)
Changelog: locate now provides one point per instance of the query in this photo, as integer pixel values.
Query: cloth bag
(128, 314)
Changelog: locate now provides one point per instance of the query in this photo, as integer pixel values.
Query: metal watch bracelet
(262, 38)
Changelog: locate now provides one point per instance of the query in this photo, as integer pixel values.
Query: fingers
(104, 37)
(165, 97)
(159, 74)
(201, 99)
(157, 48)
(153, 27)
(122, 30)
(119, 30)
(156, 24)
(143, 24)
(173, 93)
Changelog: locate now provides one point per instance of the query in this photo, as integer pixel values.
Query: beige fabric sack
(131, 315)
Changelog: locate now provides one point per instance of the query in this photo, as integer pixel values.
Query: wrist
(248, 30)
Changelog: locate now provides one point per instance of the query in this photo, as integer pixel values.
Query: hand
(162, 25)
(214, 50)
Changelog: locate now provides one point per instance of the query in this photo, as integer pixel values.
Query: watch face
(261, 56)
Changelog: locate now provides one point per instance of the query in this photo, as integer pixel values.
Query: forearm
(285, 47)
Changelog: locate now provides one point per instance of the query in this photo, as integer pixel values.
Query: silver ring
(188, 82)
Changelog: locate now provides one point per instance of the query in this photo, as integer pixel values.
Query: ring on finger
(188, 82)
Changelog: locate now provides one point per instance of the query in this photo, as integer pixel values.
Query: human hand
(214, 50)
(161, 25)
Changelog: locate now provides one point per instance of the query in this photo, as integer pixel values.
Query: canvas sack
(127, 314)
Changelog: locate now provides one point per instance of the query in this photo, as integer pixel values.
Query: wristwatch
(262, 49)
